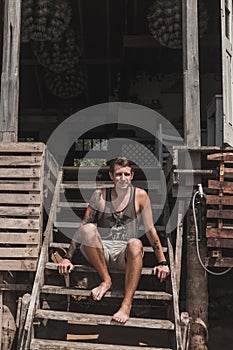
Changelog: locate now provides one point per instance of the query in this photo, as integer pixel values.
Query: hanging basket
(45, 20)
(66, 84)
(60, 55)
(165, 21)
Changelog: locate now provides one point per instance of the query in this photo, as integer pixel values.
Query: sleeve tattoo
(91, 212)
(89, 217)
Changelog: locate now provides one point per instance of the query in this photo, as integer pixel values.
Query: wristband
(163, 263)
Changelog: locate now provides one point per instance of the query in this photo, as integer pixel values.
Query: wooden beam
(92, 319)
(148, 42)
(10, 72)
(41, 344)
(196, 281)
(191, 74)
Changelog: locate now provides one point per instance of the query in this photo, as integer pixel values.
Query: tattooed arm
(161, 270)
(90, 215)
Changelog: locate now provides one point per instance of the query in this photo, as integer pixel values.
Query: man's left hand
(161, 272)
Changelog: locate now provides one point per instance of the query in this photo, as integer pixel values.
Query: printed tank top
(118, 225)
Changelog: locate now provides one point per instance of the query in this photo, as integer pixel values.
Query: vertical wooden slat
(179, 244)
(10, 72)
(191, 74)
(196, 291)
(1, 309)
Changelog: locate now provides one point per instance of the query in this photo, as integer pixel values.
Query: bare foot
(98, 292)
(122, 315)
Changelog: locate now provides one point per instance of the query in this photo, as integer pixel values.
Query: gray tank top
(118, 225)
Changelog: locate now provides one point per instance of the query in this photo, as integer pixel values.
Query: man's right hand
(65, 267)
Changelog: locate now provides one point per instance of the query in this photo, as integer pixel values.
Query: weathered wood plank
(19, 211)
(84, 268)
(39, 278)
(22, 147)
(19, 238)
(219, 262)
(103, 319)
(179, 244)
(23, 313)
(18, 265)
(6, 185)
(227, 157)
(228, 172)
(10, 72)
(51, 163)
(219, 243)
(66, 245)
(16, 287)
(16, 252)
(112, 294)
(22, 160)
(220, 214)
(20, 173)
(152, 185)
(41, 344)
(13, 198)
(1, 312)
(224, 232)
(225, 186)
(24, 224)
(82, 336)
(223, 200)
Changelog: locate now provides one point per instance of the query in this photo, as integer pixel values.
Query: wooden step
(84, 268)
(151, 185)
(41, 344)
(92, 319)
(75, 224)
(145, 295)
(84, 205)
(66, 246)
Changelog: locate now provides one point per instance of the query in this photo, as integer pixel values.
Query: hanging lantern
(165, 21)
(66, 84)
(45, 20)
(60, 55)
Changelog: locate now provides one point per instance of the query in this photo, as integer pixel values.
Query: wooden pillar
(196, 287)
(8, 133)
(10, 71)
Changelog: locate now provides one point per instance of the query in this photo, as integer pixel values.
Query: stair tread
(155, 295)
(66, 246)
(41, 344)
(151, 184)
(85, 268)
(75, 224)
(83, 205)
(92, 319)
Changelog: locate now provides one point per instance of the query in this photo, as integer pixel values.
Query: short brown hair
(122, 162)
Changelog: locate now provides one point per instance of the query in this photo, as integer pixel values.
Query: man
(114, 241)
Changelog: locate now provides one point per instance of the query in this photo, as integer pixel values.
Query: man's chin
(123, 186)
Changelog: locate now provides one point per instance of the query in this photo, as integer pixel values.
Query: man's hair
(122, 162)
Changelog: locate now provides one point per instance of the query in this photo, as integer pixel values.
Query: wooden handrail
(39, 278)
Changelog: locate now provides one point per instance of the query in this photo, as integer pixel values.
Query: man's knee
(134, 247)
(89, 234)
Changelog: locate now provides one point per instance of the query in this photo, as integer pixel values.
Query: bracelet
(163, 263)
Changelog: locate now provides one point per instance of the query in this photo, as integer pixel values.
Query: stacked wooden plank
(21, 205)
(219, 230)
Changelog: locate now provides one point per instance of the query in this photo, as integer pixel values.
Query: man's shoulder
(140, 192)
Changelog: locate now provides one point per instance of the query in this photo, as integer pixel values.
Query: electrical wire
(197, 241)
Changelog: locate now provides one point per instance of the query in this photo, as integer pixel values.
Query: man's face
(122, 176)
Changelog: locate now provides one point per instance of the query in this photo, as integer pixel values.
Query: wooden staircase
(61, 313)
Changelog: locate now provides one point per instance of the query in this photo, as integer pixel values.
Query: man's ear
(111, 175)
(132, 175)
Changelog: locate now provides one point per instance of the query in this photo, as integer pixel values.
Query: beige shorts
(114, 253)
